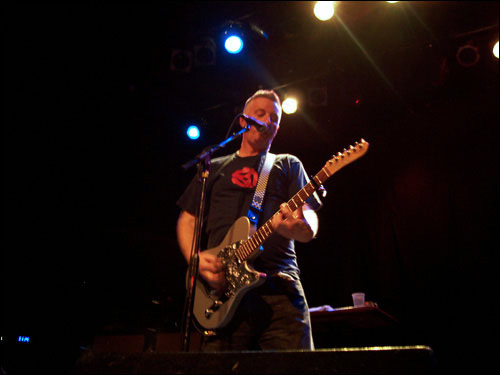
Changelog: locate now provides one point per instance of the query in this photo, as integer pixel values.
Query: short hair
(269, 94)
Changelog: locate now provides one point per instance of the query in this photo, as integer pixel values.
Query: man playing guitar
(273, 315)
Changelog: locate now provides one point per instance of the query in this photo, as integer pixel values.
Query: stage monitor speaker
(373, 360)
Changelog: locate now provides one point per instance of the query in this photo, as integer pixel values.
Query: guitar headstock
(348, 156)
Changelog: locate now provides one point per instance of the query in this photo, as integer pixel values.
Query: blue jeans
(274, 316)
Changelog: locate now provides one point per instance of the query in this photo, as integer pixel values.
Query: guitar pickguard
(238, 274)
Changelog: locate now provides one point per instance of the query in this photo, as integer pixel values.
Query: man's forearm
(301, 231)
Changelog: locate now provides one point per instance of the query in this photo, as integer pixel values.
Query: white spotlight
(324, 10)
(495, 50)
(289, 105)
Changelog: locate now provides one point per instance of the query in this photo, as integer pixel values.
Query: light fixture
(324, 10)
(233, 38)
(468, 55)
(317, 96)
(204, 52)
(495, 50)
(290, 105)
(193, 132)
(181, 60)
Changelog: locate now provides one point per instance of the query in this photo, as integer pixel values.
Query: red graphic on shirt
(245, 178)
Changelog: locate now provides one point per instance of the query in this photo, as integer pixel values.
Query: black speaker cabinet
(371, 360)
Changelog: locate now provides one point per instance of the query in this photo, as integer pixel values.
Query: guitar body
(212, 311)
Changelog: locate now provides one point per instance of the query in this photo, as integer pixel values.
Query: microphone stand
(203, 162)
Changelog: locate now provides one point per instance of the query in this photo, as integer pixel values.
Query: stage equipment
(468, 55)
(193, 132)
(324, 10)
(205, 52)
(290, 105)
(317, 96)
(233, 38)
(371, 360)
(181, 60)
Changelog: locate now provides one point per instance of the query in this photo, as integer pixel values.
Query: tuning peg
(353, 149)
(347, 152)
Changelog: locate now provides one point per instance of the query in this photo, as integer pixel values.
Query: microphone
(261, 126)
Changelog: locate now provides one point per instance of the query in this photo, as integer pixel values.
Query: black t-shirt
(229, 194)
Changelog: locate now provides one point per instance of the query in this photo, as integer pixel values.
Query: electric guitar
(237, 251)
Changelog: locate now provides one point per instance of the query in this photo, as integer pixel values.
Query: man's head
(265, 106)
(269, 94)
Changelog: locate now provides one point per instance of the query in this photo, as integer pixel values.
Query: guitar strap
(266, 164)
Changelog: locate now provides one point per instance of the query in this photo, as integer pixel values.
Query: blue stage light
(233, 44)
(193, 132)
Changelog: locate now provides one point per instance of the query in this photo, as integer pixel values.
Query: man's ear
(243, 122)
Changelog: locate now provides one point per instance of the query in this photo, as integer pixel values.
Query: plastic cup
(358, 299)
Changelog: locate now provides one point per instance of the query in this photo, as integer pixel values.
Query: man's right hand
(210, 267)
(212, 271)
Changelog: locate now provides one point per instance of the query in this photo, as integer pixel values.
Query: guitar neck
(252, 245)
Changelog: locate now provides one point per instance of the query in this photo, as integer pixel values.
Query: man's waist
(279, 283)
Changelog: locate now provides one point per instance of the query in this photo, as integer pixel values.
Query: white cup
(358, 299)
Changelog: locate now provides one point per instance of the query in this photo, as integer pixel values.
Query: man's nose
(269, 121)
(266, 120)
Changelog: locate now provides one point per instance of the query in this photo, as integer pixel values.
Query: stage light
(233, 38)
(324, 10)
(290, 105)
(317, 96)
(495, 50)
(193, 132)
(181, 60)
(468, 55)
(233, 44)
(204, 52)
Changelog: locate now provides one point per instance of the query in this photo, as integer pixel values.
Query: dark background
(94, 121)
